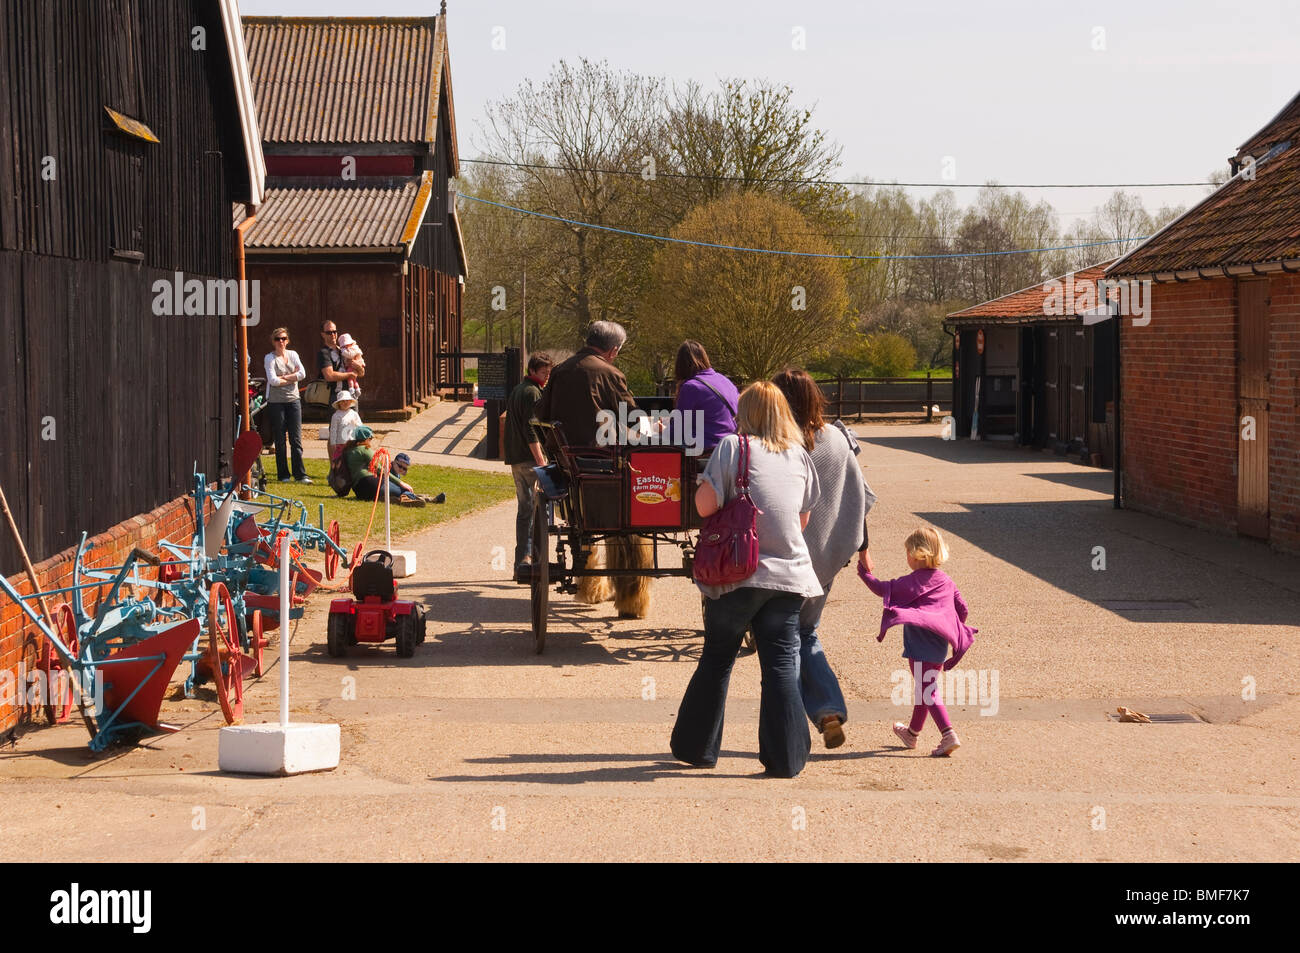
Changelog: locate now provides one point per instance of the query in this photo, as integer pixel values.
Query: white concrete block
(323, 433)
(404, 563)
(294, 748)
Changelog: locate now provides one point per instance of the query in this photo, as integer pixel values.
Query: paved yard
(478, 749)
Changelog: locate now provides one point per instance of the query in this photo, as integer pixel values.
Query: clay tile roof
(346, 79)
(1026, 304)
(375, 219)
(1244, 222)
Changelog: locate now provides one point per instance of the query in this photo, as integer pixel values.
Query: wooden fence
(859, 396)
(856, 396)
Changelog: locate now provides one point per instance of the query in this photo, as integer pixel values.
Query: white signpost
(286, 747)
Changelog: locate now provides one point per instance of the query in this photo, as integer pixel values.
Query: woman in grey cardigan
(837, 528)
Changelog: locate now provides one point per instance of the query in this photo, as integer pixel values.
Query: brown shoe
(832, 730)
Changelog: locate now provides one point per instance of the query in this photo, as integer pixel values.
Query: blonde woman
(283, 372)
(783, 486)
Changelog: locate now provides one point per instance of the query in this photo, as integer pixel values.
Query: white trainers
(947, 745)
(905, 735)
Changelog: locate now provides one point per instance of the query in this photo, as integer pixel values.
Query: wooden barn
(1035, 370)
(1210, 385)
(359, 224)
(127, 130)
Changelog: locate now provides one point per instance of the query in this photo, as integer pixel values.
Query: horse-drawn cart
(591, 495)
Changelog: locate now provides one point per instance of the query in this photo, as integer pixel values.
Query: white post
(284, 629)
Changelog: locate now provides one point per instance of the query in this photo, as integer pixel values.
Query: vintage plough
(210, 603)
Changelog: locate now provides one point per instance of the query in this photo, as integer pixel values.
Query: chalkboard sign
(492, 377)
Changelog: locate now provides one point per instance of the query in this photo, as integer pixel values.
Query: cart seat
(373, 579)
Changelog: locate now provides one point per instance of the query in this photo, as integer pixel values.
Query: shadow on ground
(633, 767)
(1156, 571)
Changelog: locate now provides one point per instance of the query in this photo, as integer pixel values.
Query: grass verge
(467, 491)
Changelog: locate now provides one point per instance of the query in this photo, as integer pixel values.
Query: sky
(1018, 92)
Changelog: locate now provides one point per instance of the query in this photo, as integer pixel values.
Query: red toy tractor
(374, 613)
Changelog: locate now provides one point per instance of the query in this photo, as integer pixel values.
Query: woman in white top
(783, 485)
(283, 372)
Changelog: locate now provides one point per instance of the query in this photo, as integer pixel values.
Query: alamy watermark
(1088, 300)
(31, 689)
(637, 428)
(209, 298)
(952, 687)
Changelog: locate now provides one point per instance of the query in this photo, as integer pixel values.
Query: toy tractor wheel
(332, 554)
(58, 682)
(257, 642)
(541, 573)
(336, 634)
(407, 634)
(224, 655)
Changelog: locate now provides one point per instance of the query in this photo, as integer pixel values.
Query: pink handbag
(727, 551)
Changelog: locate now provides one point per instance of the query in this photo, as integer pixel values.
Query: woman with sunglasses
(283, 372)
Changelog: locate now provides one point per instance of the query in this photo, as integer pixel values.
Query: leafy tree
(754, 313)
(890, 354)
(850, 358)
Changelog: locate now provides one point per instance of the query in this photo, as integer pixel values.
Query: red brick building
(1210, 387)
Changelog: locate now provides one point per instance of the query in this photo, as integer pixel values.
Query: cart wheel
(336, 634)
(224, 656)
(58, 684)
(407, 633)
(541, 572)
(332, 554)
(257, 642)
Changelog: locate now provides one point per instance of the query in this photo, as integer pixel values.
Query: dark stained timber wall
(132, 401)
(107, 407)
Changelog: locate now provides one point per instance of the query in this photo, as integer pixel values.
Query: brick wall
(19, 637)
(1284, 412)
(1179, 392)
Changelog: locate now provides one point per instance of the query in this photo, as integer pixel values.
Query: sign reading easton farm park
(654, 484)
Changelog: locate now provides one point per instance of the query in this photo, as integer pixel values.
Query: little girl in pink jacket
(932, 612)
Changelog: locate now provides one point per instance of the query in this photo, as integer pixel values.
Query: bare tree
(569, 137)
(749, 135)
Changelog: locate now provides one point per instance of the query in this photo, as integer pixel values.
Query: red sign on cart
(655, 489)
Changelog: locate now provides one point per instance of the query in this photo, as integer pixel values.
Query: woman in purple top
(700, 387)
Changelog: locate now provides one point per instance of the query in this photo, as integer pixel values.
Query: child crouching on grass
(933, 615)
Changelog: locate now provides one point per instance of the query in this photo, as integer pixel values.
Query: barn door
(1252, 410)
(1051, 365)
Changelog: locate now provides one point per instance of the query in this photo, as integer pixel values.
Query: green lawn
(467, 491)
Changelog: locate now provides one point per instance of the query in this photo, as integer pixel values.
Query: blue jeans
(525, 480)
(367, 488)
(783, 739)
(818, 685)
(286, 421)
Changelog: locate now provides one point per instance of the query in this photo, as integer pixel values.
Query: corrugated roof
(1027, 303)
(340, 218)
(1245, 222)
(346, 79)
